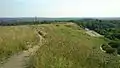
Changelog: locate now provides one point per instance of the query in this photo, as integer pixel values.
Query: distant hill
(109, 18)
(29, 19)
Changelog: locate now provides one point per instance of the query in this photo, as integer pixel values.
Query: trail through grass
(19, 60)
(14, 39)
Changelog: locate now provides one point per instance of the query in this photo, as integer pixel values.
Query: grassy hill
(68, 46)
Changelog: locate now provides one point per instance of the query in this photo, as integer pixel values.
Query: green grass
(14, 39)
(70, 47)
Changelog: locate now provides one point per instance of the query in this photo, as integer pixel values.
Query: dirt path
(18, 60)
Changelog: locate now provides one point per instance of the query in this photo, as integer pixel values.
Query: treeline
(2, 23)
(109, 28)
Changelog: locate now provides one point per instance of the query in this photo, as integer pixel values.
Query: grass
(70, 47)
(66, 46)
(14, 39)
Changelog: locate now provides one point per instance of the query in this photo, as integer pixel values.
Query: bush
(110, 50)
(104, 46)
(57, 25)
(114, 44)
(118, 50)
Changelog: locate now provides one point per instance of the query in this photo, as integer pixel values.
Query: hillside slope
(69, 46)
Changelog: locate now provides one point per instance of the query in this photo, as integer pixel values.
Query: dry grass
(14, 39)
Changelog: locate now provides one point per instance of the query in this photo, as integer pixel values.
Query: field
(14, 39)
(68, 46)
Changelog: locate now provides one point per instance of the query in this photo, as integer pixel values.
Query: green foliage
(118, 50)
(112, 47)
(104, 46)
(114, 44)
(110, 50)
(109, 28)
(57, 25)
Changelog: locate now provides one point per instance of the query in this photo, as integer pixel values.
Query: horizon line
(56, 17)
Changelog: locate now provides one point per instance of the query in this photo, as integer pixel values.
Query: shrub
(114, 44)
(104, 46)
(118, 50)
(110, 50)
(57, 25)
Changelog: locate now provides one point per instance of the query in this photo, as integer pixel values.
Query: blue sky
(59, 8)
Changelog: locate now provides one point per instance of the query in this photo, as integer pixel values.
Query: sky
(60, 8)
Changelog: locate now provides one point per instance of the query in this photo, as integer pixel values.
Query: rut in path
(18, 60)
